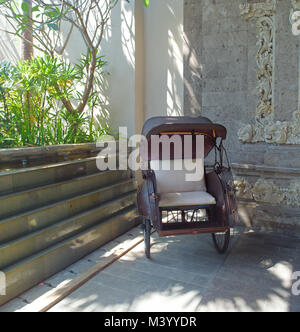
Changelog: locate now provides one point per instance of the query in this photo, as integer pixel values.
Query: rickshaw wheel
(147, 234)
(221, 241)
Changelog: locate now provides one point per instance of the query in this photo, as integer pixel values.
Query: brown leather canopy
(184, 126)
(159, 125)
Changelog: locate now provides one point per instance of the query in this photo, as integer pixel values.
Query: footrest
(185, 231)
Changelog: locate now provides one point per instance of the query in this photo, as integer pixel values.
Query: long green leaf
(146, 3)
(25, 7)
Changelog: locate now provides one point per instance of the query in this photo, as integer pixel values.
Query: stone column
(295, 21)
(139, 67)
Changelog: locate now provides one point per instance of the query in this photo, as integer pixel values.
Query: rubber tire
(147, 237)
(223, 249)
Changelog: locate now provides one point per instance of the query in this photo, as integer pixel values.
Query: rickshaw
(170, 204)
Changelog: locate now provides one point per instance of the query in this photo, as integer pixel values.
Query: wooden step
(20, 225)
(23, 247)
(28, 178)
(23, 201)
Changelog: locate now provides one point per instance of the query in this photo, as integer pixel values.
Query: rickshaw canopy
(182, 126)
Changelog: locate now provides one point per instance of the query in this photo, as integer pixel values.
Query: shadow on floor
(186, 274)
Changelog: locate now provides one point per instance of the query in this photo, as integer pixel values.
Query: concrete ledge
(252, 169)
(261, 212)
(269, 217)
(51, 151)
(33, 156)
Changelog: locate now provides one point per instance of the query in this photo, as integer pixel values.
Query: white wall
(118, 46)
(9, 44)
(119, 49)
(164, 58)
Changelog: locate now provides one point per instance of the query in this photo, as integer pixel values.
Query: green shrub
(32, 97)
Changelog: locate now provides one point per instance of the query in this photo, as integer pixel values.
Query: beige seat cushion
(174, 176)
(186, 199)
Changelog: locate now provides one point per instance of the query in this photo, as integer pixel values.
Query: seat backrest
(173, 176)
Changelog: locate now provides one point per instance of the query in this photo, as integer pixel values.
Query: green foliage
(45, 14)
(45, 100)
(31, 111)
(146, 2)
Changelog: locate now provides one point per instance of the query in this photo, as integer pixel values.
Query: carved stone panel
(296, 4)
(265, 128)
(266, 191)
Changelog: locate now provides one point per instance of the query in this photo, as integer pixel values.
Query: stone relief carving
(263, 14)
(266, 191)
(265, 128)
(296, 4)
(257, 10)
(295, 17)
(286, 132)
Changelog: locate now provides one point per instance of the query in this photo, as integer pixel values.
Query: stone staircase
(53, 215)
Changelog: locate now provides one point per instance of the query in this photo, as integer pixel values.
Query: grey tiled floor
(186, 274)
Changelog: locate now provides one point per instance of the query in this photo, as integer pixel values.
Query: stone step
(24, 179)
(36, 268)
(16, 250)
(23, 201)
(23, 224)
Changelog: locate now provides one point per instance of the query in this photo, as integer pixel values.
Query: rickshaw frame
(222, 216)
